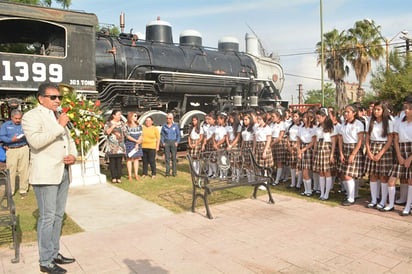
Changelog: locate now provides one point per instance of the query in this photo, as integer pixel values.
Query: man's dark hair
(41, 91)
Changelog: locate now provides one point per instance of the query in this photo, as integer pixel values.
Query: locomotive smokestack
(122, 22)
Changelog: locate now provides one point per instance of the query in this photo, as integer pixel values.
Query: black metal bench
(234, 168)
(8, 212)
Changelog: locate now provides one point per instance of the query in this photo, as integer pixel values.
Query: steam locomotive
(152, 76)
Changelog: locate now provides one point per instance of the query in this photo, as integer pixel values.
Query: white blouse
(293, 133)
(277, 128)
(305, 134)
(210, 131)
(350, 131)
(247, 136)
(220, 133)
(376, 134)
(261, 133)
(325, 136)
(404, 130)
(231, 133)
(194, 135)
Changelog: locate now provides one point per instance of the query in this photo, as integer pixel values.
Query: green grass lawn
(174, 193)
(27, 214)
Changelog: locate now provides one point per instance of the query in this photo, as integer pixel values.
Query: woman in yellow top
(150, 146)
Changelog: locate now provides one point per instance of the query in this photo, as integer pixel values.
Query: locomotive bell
(159, 31)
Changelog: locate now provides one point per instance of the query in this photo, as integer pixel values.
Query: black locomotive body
(152, 76)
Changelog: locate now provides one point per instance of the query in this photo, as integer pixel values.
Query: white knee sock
(344, 186)
(322, 185)
(329, 183)
(278, 174)
(356, 195)
(384, 193)
(308, 186)
(315, 177)
(374, 190)
(300, 178)
(403, 193)
(351, 190)
(392, 193)
(378, 189)
(293, 177)
(409, 200)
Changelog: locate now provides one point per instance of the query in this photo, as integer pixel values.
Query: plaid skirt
(321, 160)
(384, 165)
(400, 171)
(355, 169)
(195, 151)
(247, 146)
(307, 158)
(268, 161)
(209, 145)
(279, 152)
(292, 158)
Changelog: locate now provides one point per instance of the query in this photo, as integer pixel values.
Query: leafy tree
(394, 85)
(365, 45)
(314, 96)
(47, 3)
(334, 58)
(30, 2)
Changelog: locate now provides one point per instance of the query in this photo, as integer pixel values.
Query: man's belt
(18, 146)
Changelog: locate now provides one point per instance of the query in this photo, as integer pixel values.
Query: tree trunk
(340, 95)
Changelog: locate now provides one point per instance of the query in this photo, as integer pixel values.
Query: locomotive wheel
(159, 117)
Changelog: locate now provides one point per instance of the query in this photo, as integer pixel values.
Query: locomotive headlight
(275, 78)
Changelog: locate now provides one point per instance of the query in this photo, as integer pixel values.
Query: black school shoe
(52, 268)
(60, 259)
(347, 203)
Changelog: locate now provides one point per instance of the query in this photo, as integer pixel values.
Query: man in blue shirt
(17, 155)
(170, 138)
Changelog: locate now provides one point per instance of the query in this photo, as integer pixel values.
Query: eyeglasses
(54, 97)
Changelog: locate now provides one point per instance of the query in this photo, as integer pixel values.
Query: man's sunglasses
(54, 97)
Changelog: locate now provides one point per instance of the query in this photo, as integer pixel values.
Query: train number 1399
(38, 72)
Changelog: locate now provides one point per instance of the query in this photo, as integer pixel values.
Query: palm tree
(334, 58)
(365, 45)
(65, 3)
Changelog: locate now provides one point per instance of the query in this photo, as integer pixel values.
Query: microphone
(69, 124)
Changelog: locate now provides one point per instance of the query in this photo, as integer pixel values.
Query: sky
(288, 28)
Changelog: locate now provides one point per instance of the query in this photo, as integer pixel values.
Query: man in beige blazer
(52, 151)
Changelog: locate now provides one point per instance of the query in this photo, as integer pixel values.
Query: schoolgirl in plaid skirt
(247, 140)
(263, 136)
(277, 144)
(351, 154)
(379, 157)
(207, 146)
(195, 138)
(234, 128)
(292, 148)
(306, 141)
(220, 139)
(324, 160)
(403, 147)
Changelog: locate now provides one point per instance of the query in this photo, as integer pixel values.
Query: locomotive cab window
(32, 37)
